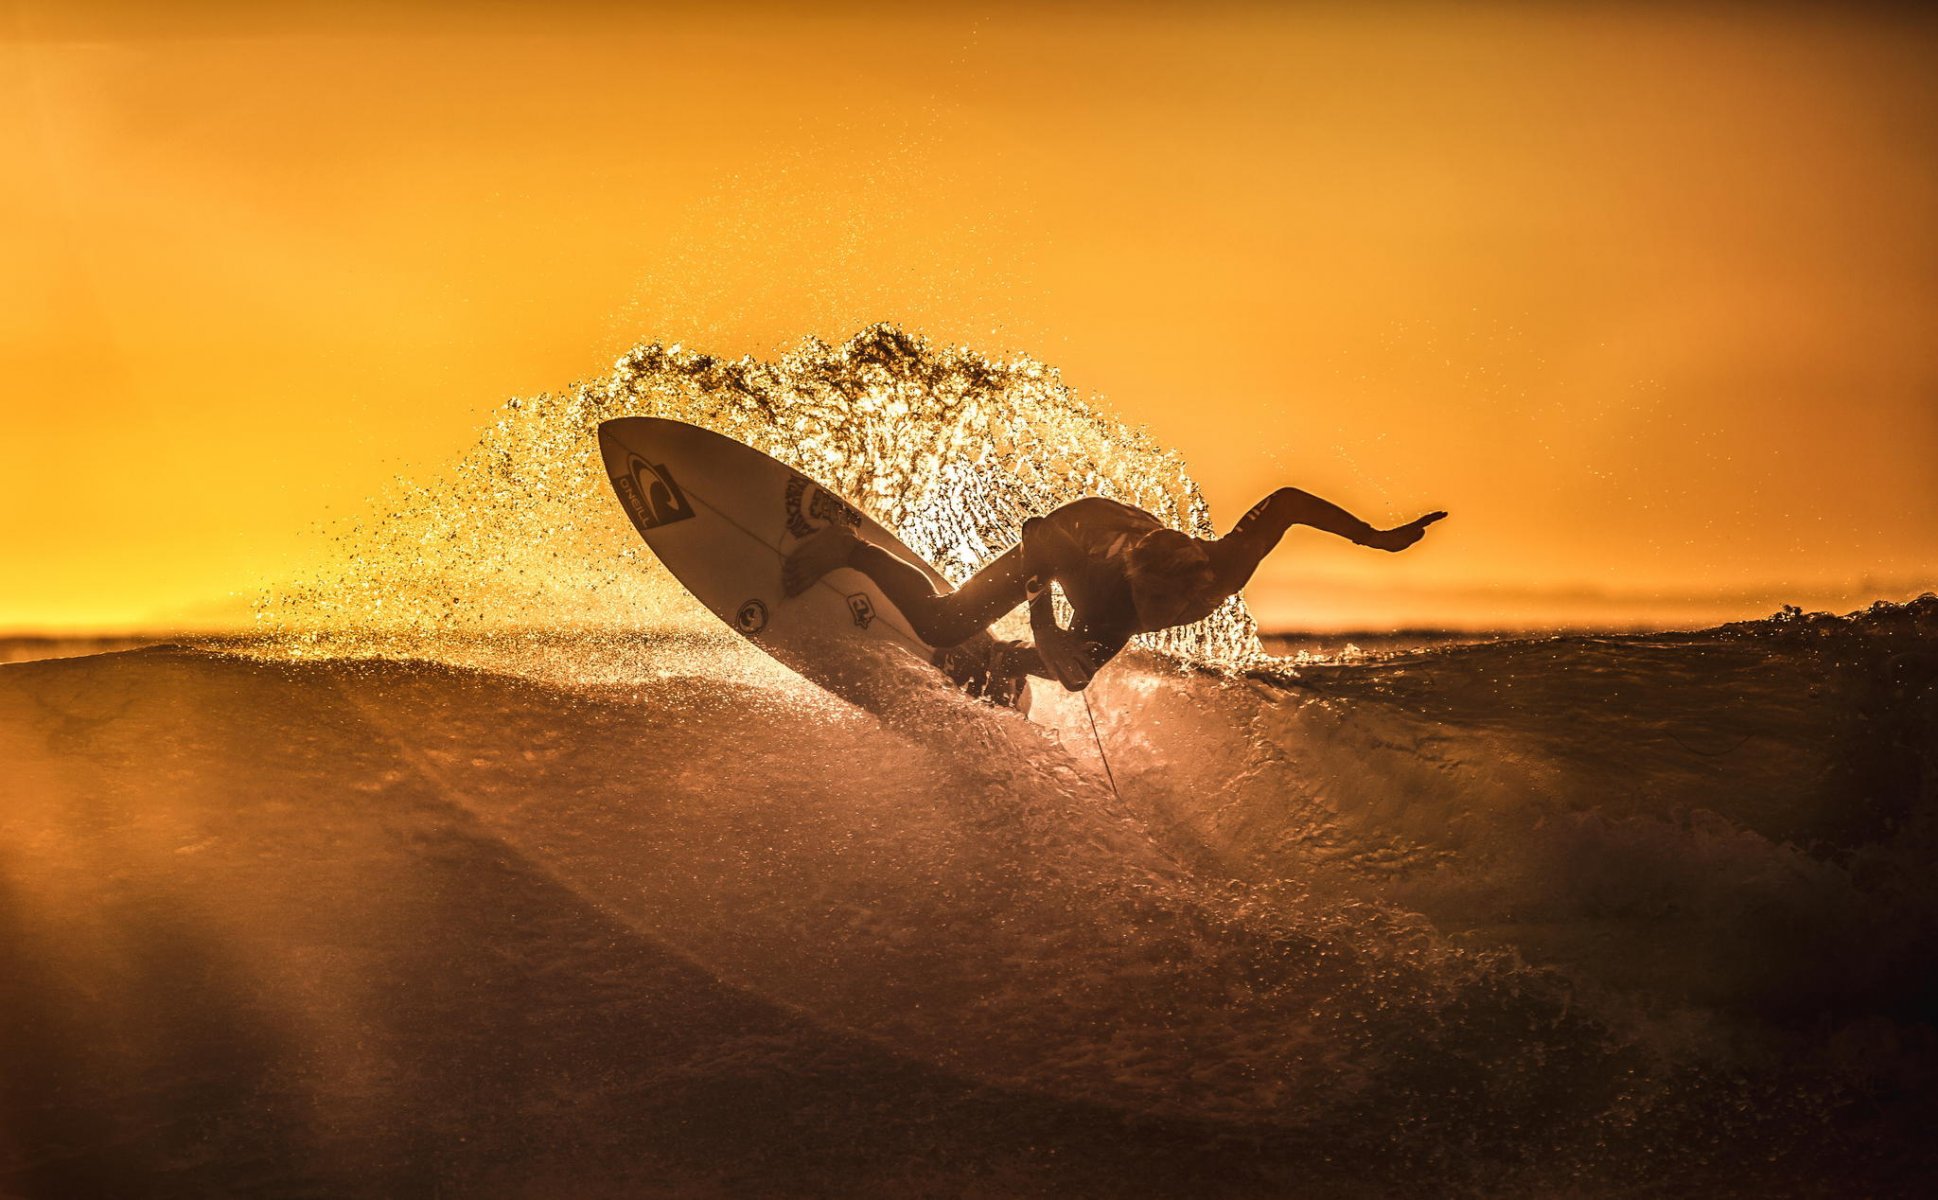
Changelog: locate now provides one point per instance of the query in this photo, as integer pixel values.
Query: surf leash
(1109, 775)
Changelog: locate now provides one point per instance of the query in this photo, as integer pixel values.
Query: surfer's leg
(950, 617)
(943, 619)
(815, 557)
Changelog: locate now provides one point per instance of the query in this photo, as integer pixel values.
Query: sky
(1644, 295)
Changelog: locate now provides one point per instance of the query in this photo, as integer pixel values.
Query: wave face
(1570, 916)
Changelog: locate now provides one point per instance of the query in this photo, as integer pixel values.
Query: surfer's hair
(1170, 578)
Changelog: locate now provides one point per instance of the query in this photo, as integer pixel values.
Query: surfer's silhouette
(1122, 570)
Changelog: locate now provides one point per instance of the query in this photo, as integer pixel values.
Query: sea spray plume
(950, 449)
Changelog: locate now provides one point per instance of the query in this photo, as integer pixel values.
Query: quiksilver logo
(862, 608)
(649, 494)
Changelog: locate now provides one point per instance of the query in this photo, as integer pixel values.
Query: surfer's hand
(1009, 672)
(1067, 657)
(1400, 537)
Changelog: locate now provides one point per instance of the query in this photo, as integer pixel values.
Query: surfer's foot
(819, 554)
(1395, 540)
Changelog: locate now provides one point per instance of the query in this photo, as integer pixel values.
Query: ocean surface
(413, 893)
(1572, 916)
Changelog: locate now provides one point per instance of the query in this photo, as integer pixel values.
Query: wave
(1495, 916)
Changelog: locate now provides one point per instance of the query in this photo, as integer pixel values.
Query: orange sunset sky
(1645, 295)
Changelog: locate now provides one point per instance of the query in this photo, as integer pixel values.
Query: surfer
(1123, 571)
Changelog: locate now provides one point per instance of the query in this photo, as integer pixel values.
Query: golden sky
(1646, 296)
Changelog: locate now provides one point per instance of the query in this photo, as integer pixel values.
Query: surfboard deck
(722, 517)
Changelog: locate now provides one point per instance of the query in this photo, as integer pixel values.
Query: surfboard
(722, 517)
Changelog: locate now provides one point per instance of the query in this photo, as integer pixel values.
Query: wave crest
(949, 448)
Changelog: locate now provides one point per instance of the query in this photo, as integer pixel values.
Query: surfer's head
(1170, 578)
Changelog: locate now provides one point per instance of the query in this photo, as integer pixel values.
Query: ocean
(482, 867)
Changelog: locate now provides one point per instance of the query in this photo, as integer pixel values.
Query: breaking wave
(951, 450)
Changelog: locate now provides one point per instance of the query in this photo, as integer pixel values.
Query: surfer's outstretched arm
(1236, 555)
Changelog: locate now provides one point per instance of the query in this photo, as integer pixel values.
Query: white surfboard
(722, 517)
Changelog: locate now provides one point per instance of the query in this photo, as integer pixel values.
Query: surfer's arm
(1069, 656)
(1045, 549)
(1236, 555)
(1065, 656)
(1092, 656)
